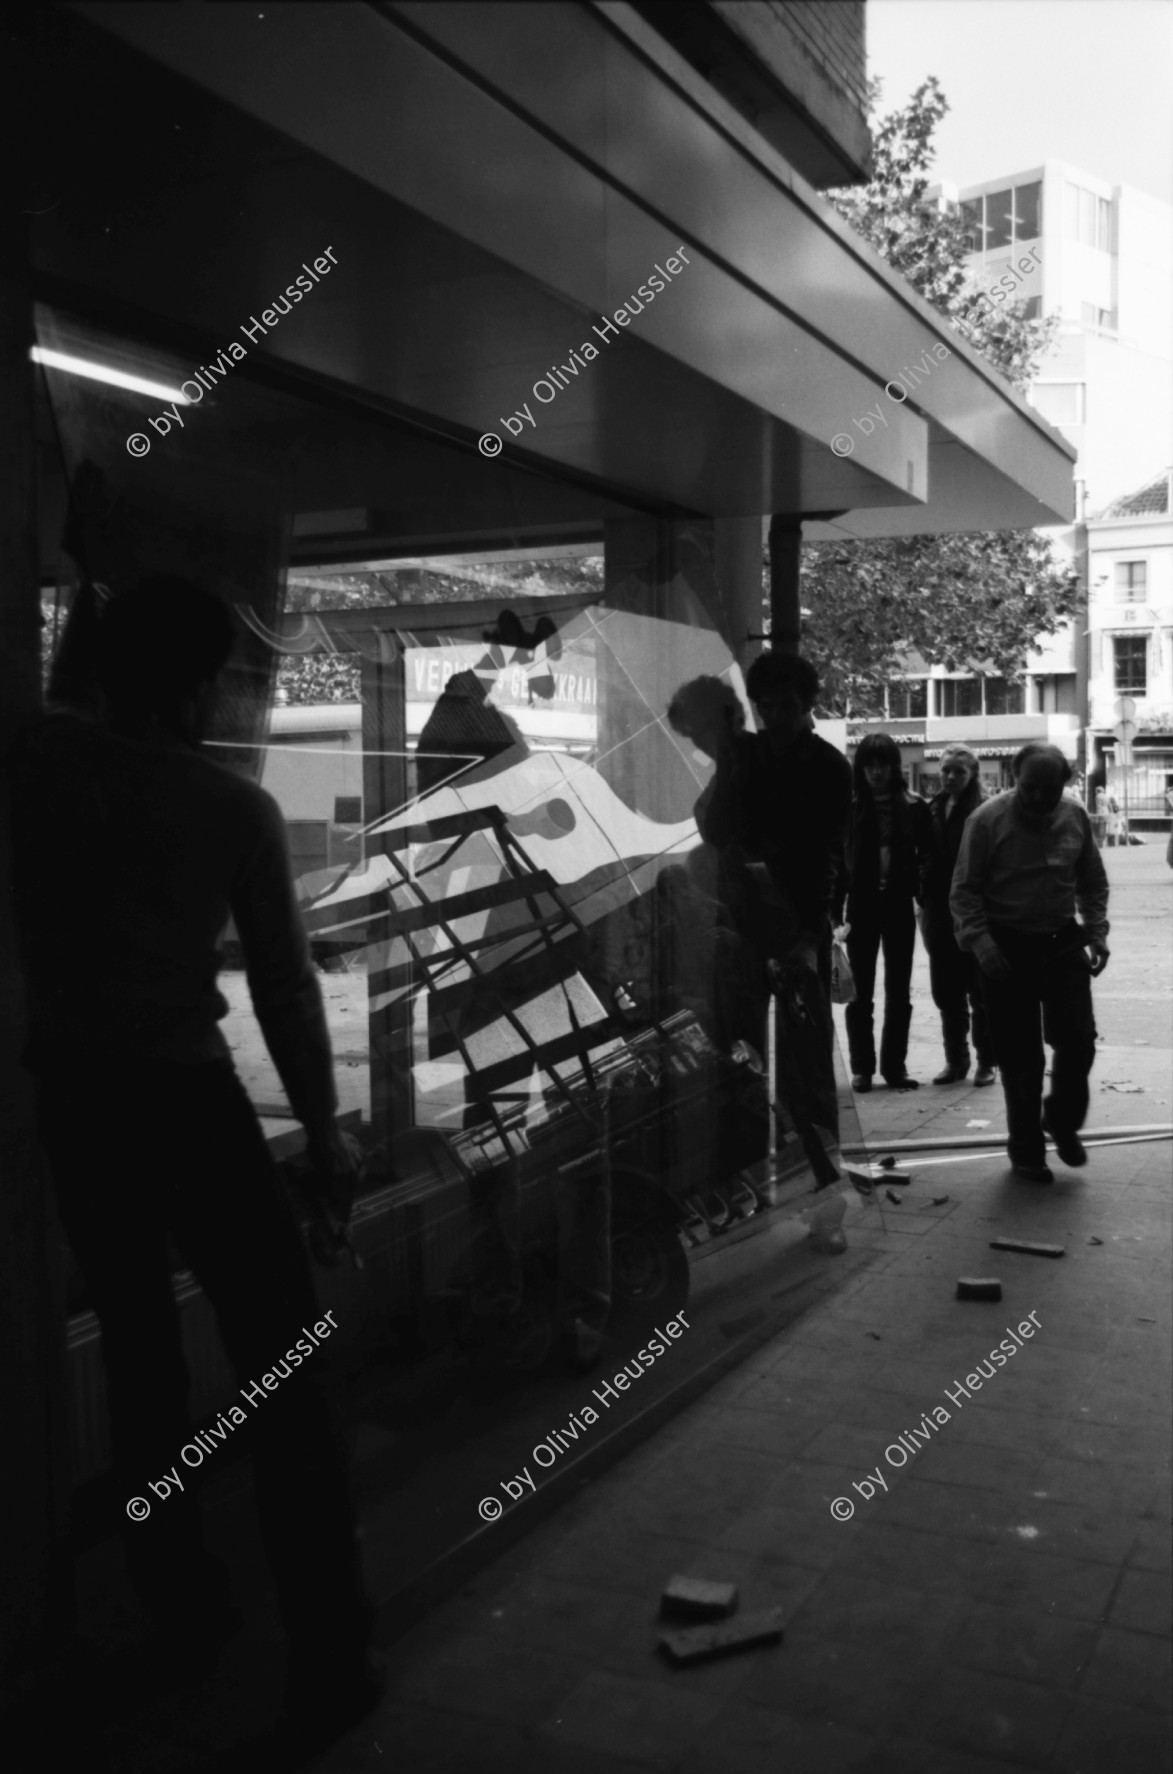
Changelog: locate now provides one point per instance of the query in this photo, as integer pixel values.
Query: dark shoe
(861, 1083)
(902, 1082)
(1069, 1146)
(1032, 1173)
(952, 1075)
(983, 1076)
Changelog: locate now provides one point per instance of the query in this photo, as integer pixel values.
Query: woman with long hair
(953, 973)
(887, 856)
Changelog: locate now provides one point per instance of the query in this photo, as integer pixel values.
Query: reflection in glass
(542, 1002)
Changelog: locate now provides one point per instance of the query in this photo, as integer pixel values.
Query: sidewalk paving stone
(1004, 1605)
(1143, 1601)
(1131, 1669)
(976, 1710)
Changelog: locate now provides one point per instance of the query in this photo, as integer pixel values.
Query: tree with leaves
(974, 602)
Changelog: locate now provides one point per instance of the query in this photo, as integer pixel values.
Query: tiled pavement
(1004, 1605)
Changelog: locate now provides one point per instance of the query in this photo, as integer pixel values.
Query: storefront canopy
(494, 183)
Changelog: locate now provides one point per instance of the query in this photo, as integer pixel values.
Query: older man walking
(1028, 863)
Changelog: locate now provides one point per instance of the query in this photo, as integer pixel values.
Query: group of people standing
(1010, 894)
(900, 857)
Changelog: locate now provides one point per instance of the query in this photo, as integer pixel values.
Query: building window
(960, 697)
(998, 211)
(971, 221)
(1004, 698)
(1002, 218)
(1100, 320)
(1131, 581)
(909, 700)
(1054, 694)
(1063, 403)
(1027, 204)
(1130, 653)
(1088, 218)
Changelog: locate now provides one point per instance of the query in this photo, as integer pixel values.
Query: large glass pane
(1087, 217)
(971, 218)
(1130, 652)
(1104, 224)
(908, 700)
(1004, 698)
(587, 1108)
(961, 696)
(998, 212)
(1027, 203)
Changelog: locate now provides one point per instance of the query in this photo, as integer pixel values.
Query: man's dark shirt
(788, 811)
(948, 819)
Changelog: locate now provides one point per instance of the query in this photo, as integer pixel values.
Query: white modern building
(1130, 647)
(1100, 256)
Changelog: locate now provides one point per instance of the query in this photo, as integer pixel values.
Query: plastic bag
(842, 978)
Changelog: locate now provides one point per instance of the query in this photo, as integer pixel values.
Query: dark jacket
(789, 813)
(859, 881)
(946, 828)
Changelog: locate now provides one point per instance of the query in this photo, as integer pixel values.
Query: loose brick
(696, 1598)
(1028, 1249)
(700, 1642)
(972, 1288)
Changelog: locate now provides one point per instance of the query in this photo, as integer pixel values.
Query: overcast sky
(1086, 81)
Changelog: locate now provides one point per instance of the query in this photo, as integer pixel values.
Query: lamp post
(1125, 731)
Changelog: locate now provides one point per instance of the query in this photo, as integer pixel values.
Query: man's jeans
(888, 922)
(1047, 997)
(956, 988)
(143, 1154)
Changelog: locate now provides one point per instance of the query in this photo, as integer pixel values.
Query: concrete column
(738, 559)
(33, 1569)
(785, 595)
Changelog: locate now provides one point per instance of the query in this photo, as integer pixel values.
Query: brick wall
(834, 37)
(816, 51)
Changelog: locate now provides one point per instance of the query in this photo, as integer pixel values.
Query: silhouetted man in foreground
(133, 848)
(782, 796)
(1028, 862)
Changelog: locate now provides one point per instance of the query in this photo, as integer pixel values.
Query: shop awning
(493, 182)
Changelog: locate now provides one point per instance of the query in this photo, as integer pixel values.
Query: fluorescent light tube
(100, 372)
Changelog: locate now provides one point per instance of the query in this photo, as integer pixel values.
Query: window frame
(1127, 589)
(1138, 645)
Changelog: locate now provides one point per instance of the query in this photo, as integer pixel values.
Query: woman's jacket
(859, 883)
